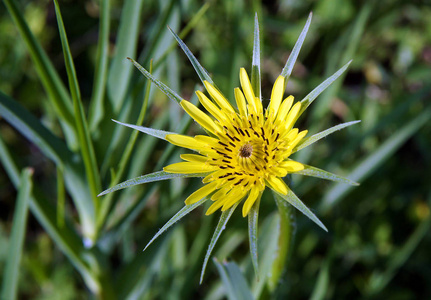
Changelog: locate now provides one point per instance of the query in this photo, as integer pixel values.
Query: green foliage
(63, 82)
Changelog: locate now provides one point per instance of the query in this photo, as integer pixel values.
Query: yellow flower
(247, 148)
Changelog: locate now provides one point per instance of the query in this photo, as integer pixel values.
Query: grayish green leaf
(314, 138)
(253, 217)
(161, 134)
(288, 67)
(234, 281)
(178, 216)
(255, 67)
(296, 202)
(156, 176)
(315, 172)
(224, 218)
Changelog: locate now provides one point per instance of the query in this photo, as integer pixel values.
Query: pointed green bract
(255, 67)
(320, 88)
(167, 91)
(178, 216)
(202, 73)
(253, 217)
(161, 134)
(287, 70)
(305, 142)
(225, 216)
(298, 204)
(315, 172)
(156, 176)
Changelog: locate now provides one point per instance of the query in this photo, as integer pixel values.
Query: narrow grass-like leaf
(11, 271)
(178, 216)
(58, 95)
(314, 138)
(287, 70)
(55, 149)
(298, 204)
(285, 232)
(97, 109)
(202, 73)
(127, 39)
(161, 134)
(156, 176)
(255, 66)
(125, 157)
(224, 218)
(61, 196)
(322, 285)
(373, 161)
(315, 172)
(320, 88)
(253, 217)
(233, 281)
(166, 90)
(86, 145)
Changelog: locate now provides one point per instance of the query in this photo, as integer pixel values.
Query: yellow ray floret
(218, 98)
(189, 168)
(199, 116)
(276, 96)
(252, 197)
(201, 193)
(185, 142)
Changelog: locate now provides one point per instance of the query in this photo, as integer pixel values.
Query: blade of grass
(54, 148)
(86, 145)
(225, 216)
(97, 109)
(255, 67)
(58, 95)
(127, 39)
(373, 161)
(19, 224)
(287, 70)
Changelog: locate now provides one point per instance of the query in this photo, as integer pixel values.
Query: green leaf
(156, 176)
(85, 142)
(58, 95)
(166, 90)
(233, 281)
(225, 216)
(373, 161)
(202, 73)
(319, 89)
(127, 39)
(314, 138)
(287, 70)
(298, 204)
(255, 67)
(286, 228)
(178, 216)
(97, 108)
(315, 172)
(161, 134)
(322, 285)
(13, 260)
(253, 216)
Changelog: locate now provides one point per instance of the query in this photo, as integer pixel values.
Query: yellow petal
(199, 116)
(298, 138)
(293, 114)
(279, 172)
(218, 98)
(292, 166)
(240, 102)
(210, 106)
(254, 193)
(276, 95)
(185, 141)
(284, 109)
(201, 193)
(189, 168)
(233, 197)
(247, 89)
(277, 184)
(206, 139)
(194, 158)
(216, 205)
(220, 193)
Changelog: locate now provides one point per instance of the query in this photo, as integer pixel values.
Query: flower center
(246, 150)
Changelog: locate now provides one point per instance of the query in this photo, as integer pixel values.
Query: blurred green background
(378, 245)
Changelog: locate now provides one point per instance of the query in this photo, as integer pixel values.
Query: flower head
(247, 148)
